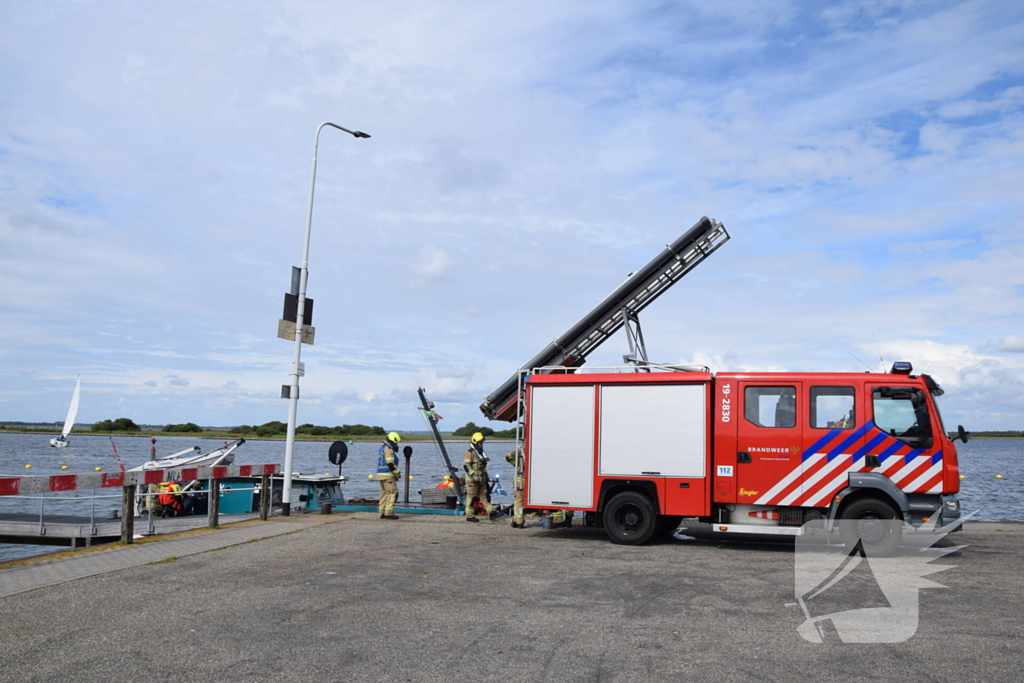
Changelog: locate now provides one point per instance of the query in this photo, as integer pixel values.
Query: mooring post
(265, 495)
(214, 505)
(408, 470)
(127, 515)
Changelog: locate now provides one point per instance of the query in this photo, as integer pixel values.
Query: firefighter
(388, 475)
(561, 519)
(171, 499)
(518, 514)
(153, 504)
(475, 464)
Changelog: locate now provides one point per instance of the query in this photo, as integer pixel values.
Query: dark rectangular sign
(291, 307)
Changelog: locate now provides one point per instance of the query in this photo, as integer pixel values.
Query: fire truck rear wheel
(629, 518)
(870, 521)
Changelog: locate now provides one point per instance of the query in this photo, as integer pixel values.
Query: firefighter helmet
(476, 438)
(393, 437)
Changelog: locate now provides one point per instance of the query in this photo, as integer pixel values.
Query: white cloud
(1011, 343)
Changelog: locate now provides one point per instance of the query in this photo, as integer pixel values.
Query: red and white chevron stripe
(817, 479)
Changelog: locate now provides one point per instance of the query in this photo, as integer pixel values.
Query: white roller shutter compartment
(562, 446)
(653, 430)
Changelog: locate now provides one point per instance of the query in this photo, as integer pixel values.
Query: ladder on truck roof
(619, 308)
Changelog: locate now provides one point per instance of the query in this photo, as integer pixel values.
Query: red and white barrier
(13, 486)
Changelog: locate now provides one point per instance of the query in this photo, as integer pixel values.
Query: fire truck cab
(740, 452)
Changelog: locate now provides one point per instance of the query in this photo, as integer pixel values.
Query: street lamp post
(293, 394)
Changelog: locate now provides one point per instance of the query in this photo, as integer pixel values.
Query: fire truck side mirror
(962, 433)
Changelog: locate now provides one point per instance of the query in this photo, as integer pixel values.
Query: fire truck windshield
(902, 412)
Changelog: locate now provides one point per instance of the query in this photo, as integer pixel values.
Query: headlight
(953, 505)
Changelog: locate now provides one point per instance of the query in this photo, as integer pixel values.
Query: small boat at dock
(194, 457)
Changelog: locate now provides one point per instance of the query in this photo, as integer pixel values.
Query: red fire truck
(639, 448)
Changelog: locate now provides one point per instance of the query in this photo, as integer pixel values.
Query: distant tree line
(470, 429)
(1008, 434)
(187, 427)
(121, 424)
(275, 427)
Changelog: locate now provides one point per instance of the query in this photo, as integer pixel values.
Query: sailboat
(69, 422)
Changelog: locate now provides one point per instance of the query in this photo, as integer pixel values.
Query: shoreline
(247, 437)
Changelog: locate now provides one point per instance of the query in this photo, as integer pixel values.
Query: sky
(867, 159)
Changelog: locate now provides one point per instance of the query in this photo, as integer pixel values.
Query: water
(88, 452)
(997, 499)
(980, 461)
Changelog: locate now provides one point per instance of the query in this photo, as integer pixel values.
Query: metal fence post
(92, 521)
(42, 527)
(150, 524)
(127, 514)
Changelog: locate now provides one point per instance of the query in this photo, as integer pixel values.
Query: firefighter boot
(472, 519)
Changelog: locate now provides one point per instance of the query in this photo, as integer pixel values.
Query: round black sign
(338, 452)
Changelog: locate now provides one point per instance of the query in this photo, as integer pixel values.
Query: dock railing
(39, 486)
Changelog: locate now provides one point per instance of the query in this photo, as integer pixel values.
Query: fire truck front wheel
(872, 522)
(629, 518)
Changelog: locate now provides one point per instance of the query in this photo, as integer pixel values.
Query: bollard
(325, 508)
(213, 508)
(127, 515)
(407, 452)
(265, 494)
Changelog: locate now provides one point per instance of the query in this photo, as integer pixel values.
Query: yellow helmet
(476, 438)
(393, 437)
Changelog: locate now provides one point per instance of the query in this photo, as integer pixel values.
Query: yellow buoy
(410, 477)
(63, 467)
(999, 476)
(962, 476)
(28, 467)
(98, 469)
(369, 476)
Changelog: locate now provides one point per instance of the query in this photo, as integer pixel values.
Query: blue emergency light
(901, 367)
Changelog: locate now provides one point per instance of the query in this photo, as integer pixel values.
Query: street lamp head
(360, 134)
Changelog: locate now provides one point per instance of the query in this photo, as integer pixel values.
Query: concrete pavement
(436, 599)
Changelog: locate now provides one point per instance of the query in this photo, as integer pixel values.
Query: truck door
(904, 445)
(834, 442)
(769, 439)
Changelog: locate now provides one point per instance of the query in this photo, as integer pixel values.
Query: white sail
(72, 410)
